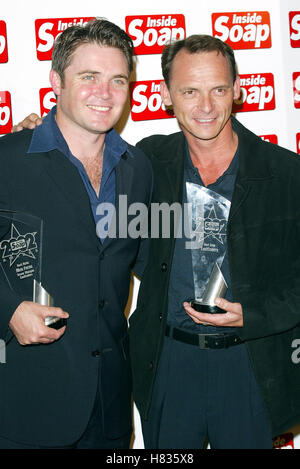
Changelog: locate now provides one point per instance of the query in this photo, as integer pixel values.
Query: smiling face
(93, 94)
(201, 92)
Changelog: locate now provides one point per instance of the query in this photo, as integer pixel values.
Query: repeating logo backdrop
(3, 42)
(265, 35)
(151, 32)
(243, 30)
(47, 30)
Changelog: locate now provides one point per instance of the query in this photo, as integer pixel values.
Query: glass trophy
(21, 242)
(208, 215)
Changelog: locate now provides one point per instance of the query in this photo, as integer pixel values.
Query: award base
(41, 296)
(203, 308)
(55, 322)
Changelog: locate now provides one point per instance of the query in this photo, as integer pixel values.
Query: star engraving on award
(210, 227)
(18, 245)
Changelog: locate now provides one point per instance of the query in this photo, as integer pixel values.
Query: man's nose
(103, 90)
(205, 102)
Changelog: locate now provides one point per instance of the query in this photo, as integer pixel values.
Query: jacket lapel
(168, 170)
(124, 178)
(124, 186)
(168, 181)
(68, 181)
(253, 168)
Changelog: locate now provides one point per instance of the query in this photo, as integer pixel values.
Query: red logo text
(257, 93)
(150, 33)
(146, 102)
(47, 100)
(296, 89)
(285, 441)
(272, 138)
(294, 17)
(47, 30)
(243, 30)
(5, 113)
(3, 43)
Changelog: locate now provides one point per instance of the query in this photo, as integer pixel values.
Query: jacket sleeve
(274, 306)
(142, 257)
(270, 314)
(9, 299)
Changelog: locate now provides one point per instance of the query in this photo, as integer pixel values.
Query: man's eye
(119, 81)
(188, 92)
(88, 77)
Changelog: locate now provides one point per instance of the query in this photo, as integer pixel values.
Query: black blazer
(47, 391)
(263, 241)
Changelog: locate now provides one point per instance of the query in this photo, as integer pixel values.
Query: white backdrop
(264, 33)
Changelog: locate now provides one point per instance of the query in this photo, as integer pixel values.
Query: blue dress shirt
(48, 136)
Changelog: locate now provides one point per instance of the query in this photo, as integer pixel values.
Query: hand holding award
(21, 236)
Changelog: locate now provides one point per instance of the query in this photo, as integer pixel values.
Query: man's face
(94, 92)
(201, 92)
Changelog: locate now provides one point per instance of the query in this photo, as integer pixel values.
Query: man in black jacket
(71, 387)
(229, 376)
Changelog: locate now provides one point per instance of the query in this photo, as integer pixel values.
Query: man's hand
(232, 318)
(28, 323)
(30, 122)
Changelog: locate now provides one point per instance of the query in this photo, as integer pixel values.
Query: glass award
(21, 243)
(207, 215)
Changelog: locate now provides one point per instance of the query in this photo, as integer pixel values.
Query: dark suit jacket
(47, 391)
(263, 240)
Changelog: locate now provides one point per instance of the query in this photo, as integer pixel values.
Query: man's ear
(55, 81)
(165, 94)
(236, 88)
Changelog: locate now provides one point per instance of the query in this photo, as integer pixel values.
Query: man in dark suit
(227, 377)
(231, 377)
(71, 387)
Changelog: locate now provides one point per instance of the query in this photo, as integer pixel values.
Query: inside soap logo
(47, 30)
(146, 102)
(271, 138)
(47, 100)
(3, 43)
(5, 113)
(18, 245)
(285, 441)
(257, 93)
(150, 33)
(296, 89)
(294, 19)
(243, 30)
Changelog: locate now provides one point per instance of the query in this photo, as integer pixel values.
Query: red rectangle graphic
(47, 100)
(294, 20)
(243, 30)
(46, 31)
(151, 32)
(5, 113)
(146, 102)
(3, 43)
(257, 93)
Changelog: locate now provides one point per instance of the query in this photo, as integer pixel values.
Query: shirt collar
(232, 168)
(47, 137)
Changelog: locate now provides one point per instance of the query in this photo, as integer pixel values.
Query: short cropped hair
(97, 31)
(194, 44)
